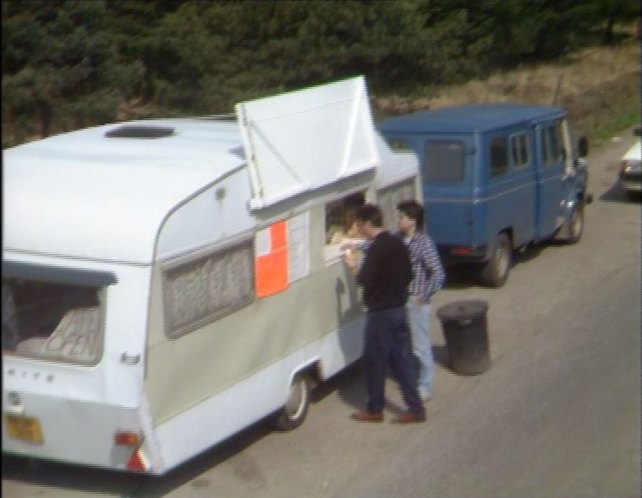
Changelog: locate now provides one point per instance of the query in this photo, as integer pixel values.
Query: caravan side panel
(236, 369)
(217, 213)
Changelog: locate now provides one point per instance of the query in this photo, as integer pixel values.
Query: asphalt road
(556, 415)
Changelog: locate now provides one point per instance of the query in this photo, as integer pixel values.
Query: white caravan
(166, 283)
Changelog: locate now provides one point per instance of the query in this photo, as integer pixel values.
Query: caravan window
(340, 217)
(199, 291)
(54, 321)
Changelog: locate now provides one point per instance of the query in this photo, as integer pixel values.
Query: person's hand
(349, 246)
(350, 259)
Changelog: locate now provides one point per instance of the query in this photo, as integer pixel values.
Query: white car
(631, 169)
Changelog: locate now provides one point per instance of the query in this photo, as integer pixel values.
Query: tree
(69, 63)
(53, 52)
(610, 12)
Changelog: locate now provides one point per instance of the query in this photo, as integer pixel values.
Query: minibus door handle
(129, 359)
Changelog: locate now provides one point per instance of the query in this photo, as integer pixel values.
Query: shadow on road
(348, 384)
(111, 483)
(63, 476)
(617, 194)
(461, 277)
(440, 355)
(467, 276)
(199, 465)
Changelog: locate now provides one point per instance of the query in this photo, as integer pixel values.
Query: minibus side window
(198, 291)
(52, 321)
(444, 160)
(498, 156)
(552, 144)
(519, 150)
(390, 197)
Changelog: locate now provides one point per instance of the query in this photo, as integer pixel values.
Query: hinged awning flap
(306, 139)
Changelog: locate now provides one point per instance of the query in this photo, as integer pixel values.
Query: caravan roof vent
(131, 131)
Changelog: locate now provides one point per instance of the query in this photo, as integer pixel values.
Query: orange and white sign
(271, 263)
(282, 255)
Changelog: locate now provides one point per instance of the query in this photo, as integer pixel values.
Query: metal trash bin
(465, 328)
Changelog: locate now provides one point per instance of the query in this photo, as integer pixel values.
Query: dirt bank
(598, 86)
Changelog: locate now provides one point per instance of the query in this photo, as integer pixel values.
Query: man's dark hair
(371, 213)
(414, 211)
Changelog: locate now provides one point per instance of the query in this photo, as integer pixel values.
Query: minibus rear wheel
(296, 406)
(495, 272)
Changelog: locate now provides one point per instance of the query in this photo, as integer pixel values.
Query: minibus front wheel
(575, 224)
(495, 271)
(296, 406)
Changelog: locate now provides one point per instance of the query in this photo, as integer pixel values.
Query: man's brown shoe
(365, 416)
(409, 418)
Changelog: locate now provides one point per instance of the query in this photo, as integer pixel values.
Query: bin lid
(462, 309)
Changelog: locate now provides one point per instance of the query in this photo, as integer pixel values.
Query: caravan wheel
(295, 410)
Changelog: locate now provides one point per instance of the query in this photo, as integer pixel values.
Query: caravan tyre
(295, 410)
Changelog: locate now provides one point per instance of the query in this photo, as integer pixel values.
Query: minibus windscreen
(444, 160)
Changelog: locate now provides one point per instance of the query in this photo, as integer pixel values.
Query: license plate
(24, 428)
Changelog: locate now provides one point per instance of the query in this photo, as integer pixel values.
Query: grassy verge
(599, 87)
(617, 108)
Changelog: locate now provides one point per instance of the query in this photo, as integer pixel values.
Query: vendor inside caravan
(340, 220)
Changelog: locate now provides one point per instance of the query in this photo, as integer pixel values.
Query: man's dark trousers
(388, 342)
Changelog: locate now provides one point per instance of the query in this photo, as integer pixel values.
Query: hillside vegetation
(600, 87)
(67, 64)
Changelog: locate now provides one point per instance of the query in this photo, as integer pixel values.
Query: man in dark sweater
(385, 275)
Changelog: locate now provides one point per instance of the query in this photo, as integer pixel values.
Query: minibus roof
(88, 195)
(470, 118)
